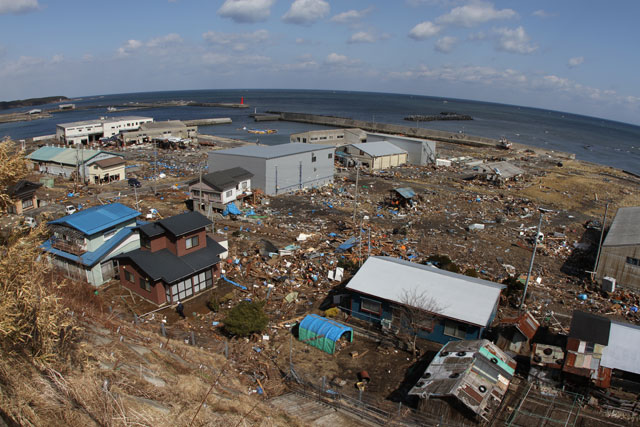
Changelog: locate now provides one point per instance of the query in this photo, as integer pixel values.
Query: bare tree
(418, 310)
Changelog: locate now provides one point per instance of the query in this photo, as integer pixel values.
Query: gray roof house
(280, 168)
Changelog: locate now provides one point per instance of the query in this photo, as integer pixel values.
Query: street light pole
(533, 255)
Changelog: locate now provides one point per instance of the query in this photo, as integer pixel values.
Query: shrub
(444, 262)
(514, 286)
(246, 318)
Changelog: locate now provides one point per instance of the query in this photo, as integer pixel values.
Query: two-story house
(217, 189)
(84, 244)
(23, 196)
(176, 259)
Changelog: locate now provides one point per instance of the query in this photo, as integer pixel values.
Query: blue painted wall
(472, 332)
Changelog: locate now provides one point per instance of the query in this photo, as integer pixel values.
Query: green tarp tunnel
(326, 330)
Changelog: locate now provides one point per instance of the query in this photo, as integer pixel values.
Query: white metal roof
(272, 151)
(623, 350)
(457, 296)
(379, 148)
(101, 121)
(624, 229)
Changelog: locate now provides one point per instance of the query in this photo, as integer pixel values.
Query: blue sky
(578, 56)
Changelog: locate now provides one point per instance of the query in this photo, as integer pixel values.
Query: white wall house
(217, 189)
(88, 131)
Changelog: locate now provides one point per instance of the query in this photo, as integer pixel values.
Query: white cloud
(58, 58)
(465, 74)
(18, 6)
(445, 44)
(22, 65)
(129, 47)
(351, 16)
(575, 61)
(514, 40)
(246, 11)
(306, 12)
(305, 63)
(164, 41)
(340, 60)
(367, 37)
(237, 41)
(474, 13)
(213, 58)
(424, 30)
(157, 45)
(542, 13)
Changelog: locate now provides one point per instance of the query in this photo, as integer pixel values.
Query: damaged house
(84, 245)
(176, 259)
(498, 172)
(454, 306)
(217, 189)
(474, 373)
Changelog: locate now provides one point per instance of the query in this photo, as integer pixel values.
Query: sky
(579, 56)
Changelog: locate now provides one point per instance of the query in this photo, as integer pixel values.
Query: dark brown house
(176, 259)
(23, 196)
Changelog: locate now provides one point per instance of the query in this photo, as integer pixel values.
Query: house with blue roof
(84, 244)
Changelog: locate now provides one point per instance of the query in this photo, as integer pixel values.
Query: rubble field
(283, 250)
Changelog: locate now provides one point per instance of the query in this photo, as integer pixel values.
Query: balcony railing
(67, 246)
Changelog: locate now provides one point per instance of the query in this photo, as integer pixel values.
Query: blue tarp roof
(328, 328)
(406, 192)
(231, 208)
(348, 244)
(90, 259)
(98, 218)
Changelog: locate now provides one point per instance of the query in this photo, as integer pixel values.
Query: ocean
(591, 139)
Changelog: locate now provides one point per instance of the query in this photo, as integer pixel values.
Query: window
(340, 136)
(633, 261)
(27, 203)
(229, 193)
(313, 157)
(370, 306)
(330, 156)
(243, 185)
(454, 329)
(145, 284)
(192, 242)
(128, 276)
(109, 234)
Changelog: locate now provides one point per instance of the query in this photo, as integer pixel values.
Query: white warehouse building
(279, 169)
(88, 131)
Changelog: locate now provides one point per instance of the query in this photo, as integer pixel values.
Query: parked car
(133, 182)
(70, 209)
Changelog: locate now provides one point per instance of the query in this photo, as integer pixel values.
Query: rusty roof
(111, 161)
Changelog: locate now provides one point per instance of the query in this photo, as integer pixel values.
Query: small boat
(261, 131)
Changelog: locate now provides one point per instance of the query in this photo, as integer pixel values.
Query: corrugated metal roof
(64, 155)
(406, 192)
(624, 229)
(98, 218)
(473, 371)
(272, 151)
(623, 351)
(457, 296)
(379, 148)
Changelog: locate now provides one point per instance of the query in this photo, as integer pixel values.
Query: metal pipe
(533, 255)
(604, 220)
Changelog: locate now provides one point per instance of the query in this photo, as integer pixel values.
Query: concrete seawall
(207, 122)
(437, 135)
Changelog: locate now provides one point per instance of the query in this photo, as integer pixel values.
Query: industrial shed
(323, 333)
(64, 162)
(373, 155)
(419, 151)
(279, 169)
(620, 253)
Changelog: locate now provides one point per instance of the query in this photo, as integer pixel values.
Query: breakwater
(436, 135)
(433, 117)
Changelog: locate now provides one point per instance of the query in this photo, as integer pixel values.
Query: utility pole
(75, 181)
(155, 165)
(355, 200)
(201, 206)
(604, 220)
(533, 255)
(135, 191)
